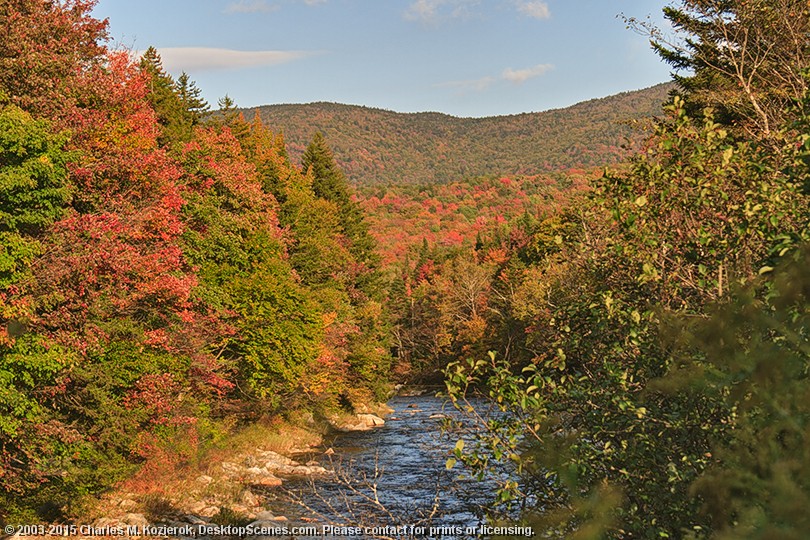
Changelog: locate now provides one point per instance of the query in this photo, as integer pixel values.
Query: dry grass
(169, 478)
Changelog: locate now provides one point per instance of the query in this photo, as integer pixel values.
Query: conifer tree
(229, 116)
(191, 97)
(330, 183)
(178, 104)
(744, 58)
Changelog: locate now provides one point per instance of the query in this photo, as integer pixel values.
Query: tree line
(644, 349)
(166, 273)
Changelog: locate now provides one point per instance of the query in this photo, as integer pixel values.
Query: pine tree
(330, 183)
(744, 58)
(191, 97)
(178, 104)
(229, 116)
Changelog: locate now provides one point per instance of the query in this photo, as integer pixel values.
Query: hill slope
(378, 146)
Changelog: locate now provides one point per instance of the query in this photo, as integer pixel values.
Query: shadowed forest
(628, 293)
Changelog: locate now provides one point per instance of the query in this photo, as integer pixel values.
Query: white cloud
(192, 59)
(314, 2)
(535, 9)
(519, 76)
(251, 6)
(432, 11)
(423, 10)
(515, 76)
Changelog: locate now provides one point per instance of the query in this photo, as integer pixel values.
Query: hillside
(379, 146)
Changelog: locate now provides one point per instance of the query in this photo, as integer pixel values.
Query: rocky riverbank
(231, 493)
(235, 487)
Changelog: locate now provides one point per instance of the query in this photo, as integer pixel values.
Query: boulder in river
(371, 420)
(359, 422)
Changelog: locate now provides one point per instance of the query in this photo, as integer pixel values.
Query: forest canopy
(169, 274)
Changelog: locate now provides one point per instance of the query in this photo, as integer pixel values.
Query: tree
(191, 97)
(45, 46)
(753, 354)
(603, 401)
(329, 183)
(178, 104)
(745, 58)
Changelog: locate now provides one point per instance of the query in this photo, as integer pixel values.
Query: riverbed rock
(136, 520)
(268, 480)
(248, 498)
(359, 422)
(255, 471)
(273, 459)
(197, 507)
(231, 469)
(371, 420)
(127, 504)
(347, 427)
(209, 511)
(204, 479)
(377, 409)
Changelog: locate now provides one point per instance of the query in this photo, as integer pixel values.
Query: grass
(168, 481)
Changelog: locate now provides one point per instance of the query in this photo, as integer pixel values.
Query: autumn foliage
(161, 274)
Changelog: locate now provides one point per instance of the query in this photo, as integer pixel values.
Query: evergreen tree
(230, 117)
(178, 104)
(744, 58)
(330, 183)
(191, 97)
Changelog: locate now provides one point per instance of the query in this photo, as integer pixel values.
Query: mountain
(379, 146)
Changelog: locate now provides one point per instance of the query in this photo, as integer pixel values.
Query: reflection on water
(392, 476)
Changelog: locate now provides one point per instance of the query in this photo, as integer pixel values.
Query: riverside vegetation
(169, 276)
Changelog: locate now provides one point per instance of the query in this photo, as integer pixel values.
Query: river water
(393, 476)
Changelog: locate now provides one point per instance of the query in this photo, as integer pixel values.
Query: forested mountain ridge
(380, 146)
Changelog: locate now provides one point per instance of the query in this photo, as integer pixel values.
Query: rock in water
(371, 420)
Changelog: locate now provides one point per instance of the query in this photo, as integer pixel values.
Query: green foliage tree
(33, 188)
(178, 104)
(701, 212)
(329, 183)
(744, 58)
(753, 355)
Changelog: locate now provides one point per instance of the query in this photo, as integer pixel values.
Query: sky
(469, 58)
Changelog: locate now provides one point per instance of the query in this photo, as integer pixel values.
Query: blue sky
(461, 57)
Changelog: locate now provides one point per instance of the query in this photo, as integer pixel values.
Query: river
(392, 476)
